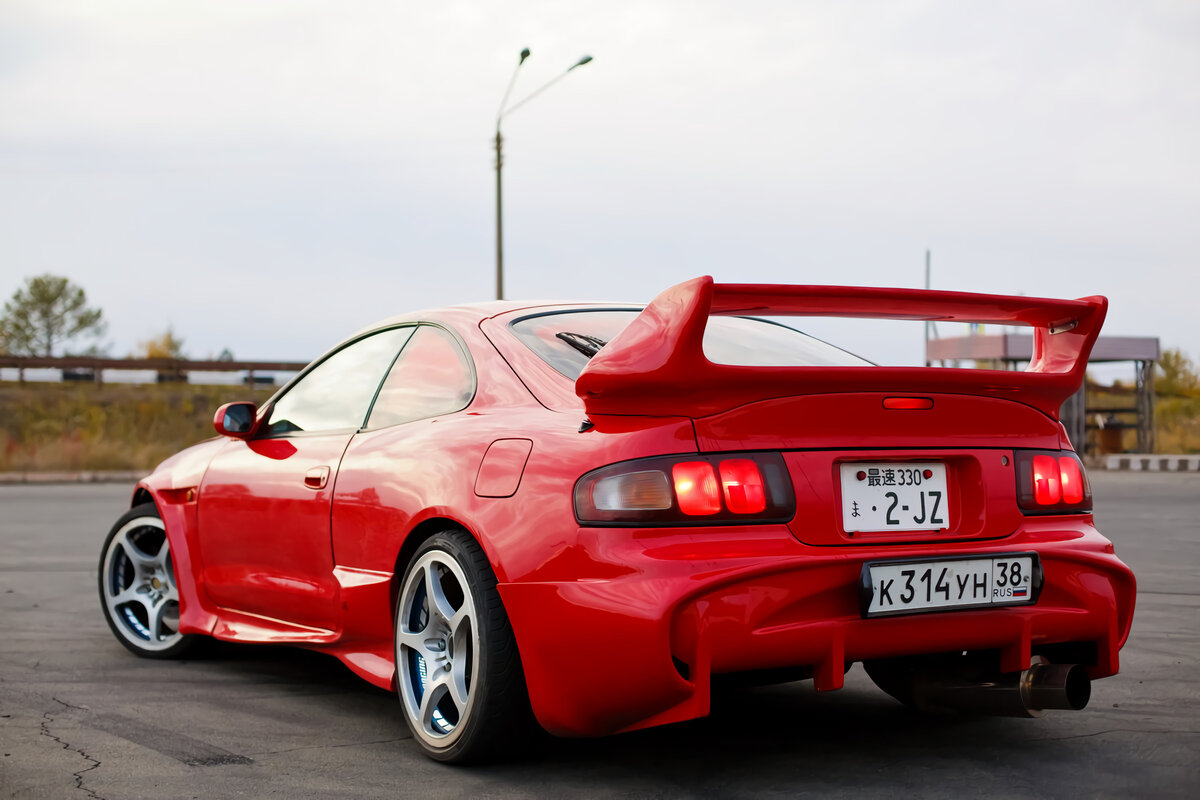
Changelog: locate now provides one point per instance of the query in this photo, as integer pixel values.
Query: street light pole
(499, 216)
(500, 157)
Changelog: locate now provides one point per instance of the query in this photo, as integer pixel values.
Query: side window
(336, 394)
(432, 376)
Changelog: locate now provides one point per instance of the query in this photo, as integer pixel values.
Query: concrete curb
(1139, 462)
(99, 476)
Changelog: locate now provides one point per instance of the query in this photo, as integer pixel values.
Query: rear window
(568, 340)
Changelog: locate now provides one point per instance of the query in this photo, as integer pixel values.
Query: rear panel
(971, 438)
(980, 501)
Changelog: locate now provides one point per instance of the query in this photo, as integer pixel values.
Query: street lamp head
(504, 111)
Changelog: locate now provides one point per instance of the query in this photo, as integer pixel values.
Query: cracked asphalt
(81, 717)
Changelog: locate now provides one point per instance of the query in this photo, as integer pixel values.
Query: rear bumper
(633, 640)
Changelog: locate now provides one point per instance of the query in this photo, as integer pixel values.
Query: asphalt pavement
(81, 717)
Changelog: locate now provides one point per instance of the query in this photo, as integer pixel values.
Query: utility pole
(928, 323)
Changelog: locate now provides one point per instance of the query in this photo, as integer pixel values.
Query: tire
(458, 672)
(138, 594)
(895, 677)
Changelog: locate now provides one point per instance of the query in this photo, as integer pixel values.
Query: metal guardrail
(168, 369)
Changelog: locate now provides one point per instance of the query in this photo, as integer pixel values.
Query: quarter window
(431, 377)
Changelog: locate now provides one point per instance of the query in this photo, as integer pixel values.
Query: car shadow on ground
(772, 730)
(280, 664)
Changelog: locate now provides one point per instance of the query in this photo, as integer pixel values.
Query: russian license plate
(909, 587)
(894, 497)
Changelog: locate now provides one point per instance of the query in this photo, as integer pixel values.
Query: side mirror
(236, 420)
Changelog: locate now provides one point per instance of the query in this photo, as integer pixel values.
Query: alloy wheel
(437, 646)
(137, 583)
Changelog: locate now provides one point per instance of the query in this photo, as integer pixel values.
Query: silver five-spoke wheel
(137, 586)
(437, 639)
(457, 670)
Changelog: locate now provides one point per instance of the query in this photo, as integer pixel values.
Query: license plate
(894, 497)
(911, 587)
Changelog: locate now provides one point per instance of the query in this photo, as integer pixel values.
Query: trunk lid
(971, 437)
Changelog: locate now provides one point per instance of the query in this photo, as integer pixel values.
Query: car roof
(474, 313)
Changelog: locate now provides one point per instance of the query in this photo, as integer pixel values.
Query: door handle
(316, 478)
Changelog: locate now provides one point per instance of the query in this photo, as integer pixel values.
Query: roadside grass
(81, 426)
(63, 426)
(1176, 419)
(1177, 425)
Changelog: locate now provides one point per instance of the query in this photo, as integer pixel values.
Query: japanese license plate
(894, 497)
(910, 587)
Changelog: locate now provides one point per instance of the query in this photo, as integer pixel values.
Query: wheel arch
(141, 495)
(506, 706)
(176, 507)
(420, 534)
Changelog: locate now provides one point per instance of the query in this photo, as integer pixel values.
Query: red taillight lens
(687, 490)
(1051, 482)
(696, 487)
(742, 486)
(1047, 490)
(1071, 478)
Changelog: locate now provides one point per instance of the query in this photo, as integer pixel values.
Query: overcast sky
(271, 176)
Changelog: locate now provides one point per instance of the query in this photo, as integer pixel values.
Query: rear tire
(138, 592)
(894, 677)
(458, 672)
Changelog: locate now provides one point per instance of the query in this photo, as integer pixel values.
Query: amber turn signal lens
(632, 491)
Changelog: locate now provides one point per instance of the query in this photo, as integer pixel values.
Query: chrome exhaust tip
(1061, 686)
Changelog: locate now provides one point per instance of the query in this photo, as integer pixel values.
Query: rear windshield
(567, 341)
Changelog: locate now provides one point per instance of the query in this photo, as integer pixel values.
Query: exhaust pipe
(1013, 694)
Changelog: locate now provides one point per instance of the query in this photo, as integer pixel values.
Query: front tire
(458, 672)
(138, 593)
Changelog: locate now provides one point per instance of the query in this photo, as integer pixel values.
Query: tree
(47, 312)
(1177, 375)
(1177, 409)
(168, 345)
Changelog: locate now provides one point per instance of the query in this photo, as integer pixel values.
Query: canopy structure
(1014, 350)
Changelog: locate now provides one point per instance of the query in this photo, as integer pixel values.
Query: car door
(264, 509)
(402, 460)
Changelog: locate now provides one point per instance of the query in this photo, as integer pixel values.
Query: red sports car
(588, 515)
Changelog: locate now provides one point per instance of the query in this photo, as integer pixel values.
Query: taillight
(687, 490)
(696, 488)
(1051, 482)
(642, 490)
(742, 486)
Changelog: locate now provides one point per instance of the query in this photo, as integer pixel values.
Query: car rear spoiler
(656, 366)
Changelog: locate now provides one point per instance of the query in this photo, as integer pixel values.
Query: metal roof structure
(1011, 350)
